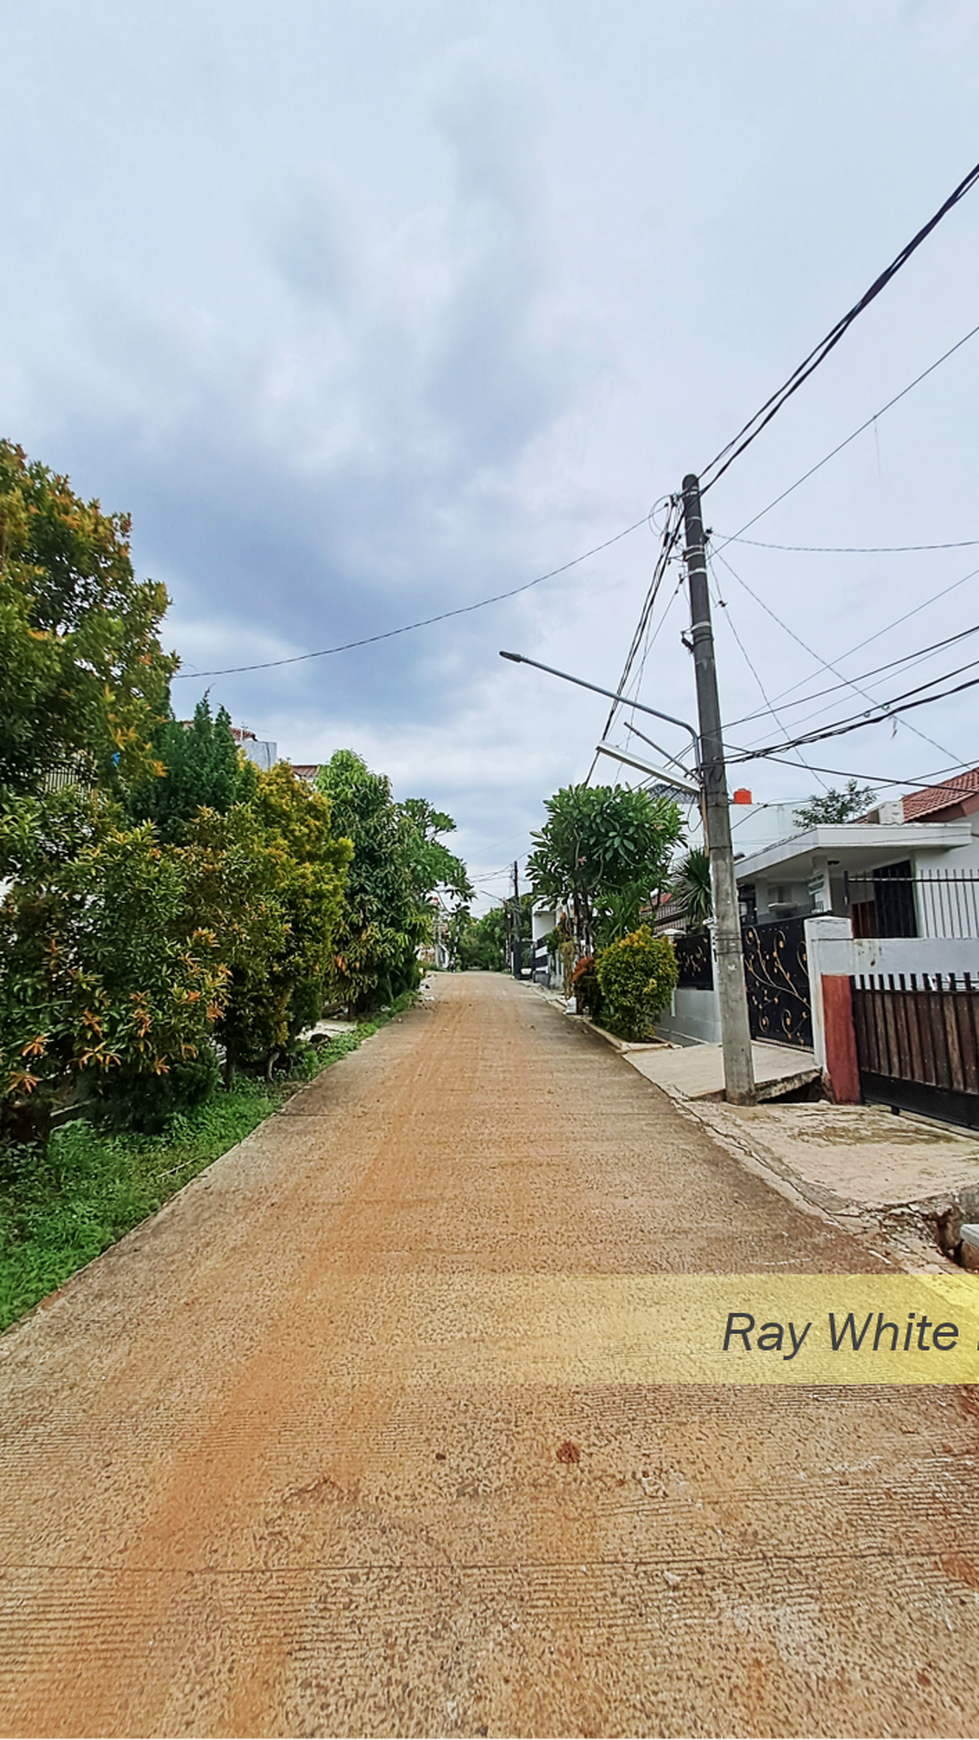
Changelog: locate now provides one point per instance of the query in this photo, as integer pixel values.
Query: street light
(624, 700)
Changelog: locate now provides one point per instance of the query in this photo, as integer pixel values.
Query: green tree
(200, 766)
(482, 942)
(382, 922)
(268, 875)
(432, 864)
(83, 678)
(159, 889)
(835, 806)
(107, 984)
(603, 853)
(122, 957)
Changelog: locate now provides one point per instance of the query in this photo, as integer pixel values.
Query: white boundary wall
(833, 952)
(693, 1018)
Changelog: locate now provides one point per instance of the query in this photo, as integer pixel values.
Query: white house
(907, 868)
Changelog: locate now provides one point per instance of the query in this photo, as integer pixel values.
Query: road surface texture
(236, 1500)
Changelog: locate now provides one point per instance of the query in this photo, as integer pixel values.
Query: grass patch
(62, 1206)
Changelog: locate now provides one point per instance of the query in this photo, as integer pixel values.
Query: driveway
(260, 1476)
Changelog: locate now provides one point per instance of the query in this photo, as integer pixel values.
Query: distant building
(306, 770)
(264, 755)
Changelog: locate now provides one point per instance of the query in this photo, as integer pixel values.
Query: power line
(744, 654)
(870, 638)
(915, 657)
(735, 536)
(762, 417)
(853, 549)
(671, 532)
(670, 535)
(883, 782)
(848, 681)
(882, 718)
(425, 622)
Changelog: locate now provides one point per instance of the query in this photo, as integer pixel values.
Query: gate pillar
(829, 952)
(841, 1076)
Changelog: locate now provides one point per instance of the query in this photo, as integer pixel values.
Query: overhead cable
(883, 717)
(735, 536)
(883, 782)
(670, 537)
(915, 657)
(425, 622)
(851, 549)
(762, 417)
(826, 663)
(744, 654)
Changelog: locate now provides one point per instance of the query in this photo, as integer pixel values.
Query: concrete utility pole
(515, 934)
(739, 1075)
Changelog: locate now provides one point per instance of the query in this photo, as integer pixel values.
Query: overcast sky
(367, 311)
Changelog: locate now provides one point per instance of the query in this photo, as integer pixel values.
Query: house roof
(305, 769)
(959, 795)
(854, 845)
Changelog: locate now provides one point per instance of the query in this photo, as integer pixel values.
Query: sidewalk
(916, 1179)
(861, 1166)
(696, 1072)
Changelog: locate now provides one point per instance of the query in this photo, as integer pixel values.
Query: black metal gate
(777, 981)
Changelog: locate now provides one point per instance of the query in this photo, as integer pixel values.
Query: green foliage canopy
(269, 876)
(105, 976)
(83, 678)
(824, 808)
(199, 766)
(603, 852)
(692, 888)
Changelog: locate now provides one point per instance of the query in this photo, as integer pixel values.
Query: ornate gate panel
(777, 981)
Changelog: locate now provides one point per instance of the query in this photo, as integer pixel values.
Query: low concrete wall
(833, 951)
(693, 1018)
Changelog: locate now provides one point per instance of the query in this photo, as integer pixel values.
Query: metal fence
(917, 1041)
(939, 903)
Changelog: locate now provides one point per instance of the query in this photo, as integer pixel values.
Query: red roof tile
(941, 797)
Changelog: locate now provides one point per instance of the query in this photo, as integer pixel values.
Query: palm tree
(692, 888)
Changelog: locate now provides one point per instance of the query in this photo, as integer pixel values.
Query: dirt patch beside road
(235, 1501)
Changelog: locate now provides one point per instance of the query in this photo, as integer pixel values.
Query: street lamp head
(515, 658)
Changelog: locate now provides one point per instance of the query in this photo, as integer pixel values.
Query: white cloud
(367, 313)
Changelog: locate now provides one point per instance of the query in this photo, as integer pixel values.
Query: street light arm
(519, 659)
(634, 731)
(670, 779)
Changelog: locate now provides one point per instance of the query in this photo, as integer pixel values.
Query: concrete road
(239, 1496)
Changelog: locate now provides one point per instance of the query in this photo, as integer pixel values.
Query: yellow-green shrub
(637, 977)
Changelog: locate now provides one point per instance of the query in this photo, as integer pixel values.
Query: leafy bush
(103, 972)
(636, 977)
